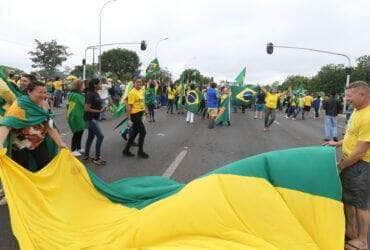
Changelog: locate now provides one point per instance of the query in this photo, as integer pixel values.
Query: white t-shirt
(104, 94)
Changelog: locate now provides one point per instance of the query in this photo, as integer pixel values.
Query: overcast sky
(217, 37)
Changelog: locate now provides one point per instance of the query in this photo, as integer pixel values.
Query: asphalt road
(190, 150)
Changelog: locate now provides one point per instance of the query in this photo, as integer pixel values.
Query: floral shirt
(30, 137)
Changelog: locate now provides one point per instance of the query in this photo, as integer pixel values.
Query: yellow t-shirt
(136, 99)
(308, 100)
(272, 100)
(358, 129)
(301, 102)
(58, 85)
(170, 94)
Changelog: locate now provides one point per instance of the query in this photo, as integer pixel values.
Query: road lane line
(172, 168)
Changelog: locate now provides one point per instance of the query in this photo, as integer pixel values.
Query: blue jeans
(330, 126)
(94, 130)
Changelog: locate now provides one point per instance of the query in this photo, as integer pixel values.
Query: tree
(189, 75)
(48, 56)
(330, 77)
(78, 71)
(120, 63)
(362, 71)
(295, 82)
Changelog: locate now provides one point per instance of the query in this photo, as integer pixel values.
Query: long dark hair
(92, 83)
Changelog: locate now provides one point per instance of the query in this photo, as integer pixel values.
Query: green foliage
(78, 71)
(11, 69)
(362, 70)
(163, 76)
(120, 63)
(48, 56)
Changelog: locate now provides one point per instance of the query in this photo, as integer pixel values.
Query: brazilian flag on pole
(242, 95)
(240, 78)
(153, 68)
(192, 101)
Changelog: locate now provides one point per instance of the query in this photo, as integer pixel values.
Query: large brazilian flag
(288, 199)
(192, 101)
(242, 95)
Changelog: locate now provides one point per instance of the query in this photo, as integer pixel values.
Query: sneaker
(99, 161)
(335, 139)
(143, 155)
(326, 139)
(127, 153)
(85, 158)
(76, 153)
(82, 151)
(3, 201)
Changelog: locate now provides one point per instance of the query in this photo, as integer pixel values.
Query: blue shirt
(212, 98)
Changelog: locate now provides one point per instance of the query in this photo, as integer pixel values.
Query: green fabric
(224, 114)
(310, 170)
(120, 110)
(150, 96)
(181, 96)
(76, 110)
(14, 88)
(238, 97)
(240, 78)
(137, 192)
(153, 68)
(192, 101)
(34, 115)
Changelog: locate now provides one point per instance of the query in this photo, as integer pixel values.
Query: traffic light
(83, 61)
(270, 48)
(143, 45)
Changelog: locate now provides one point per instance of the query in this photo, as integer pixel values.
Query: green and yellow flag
(153, 68)
(242, 95)
(76, 111)
(240, 78)
(192, 101)
(288, 199)
(223, 115)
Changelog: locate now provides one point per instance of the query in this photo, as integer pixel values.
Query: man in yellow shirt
(308, 99)
(135, 111)
(355, 166)
(272, 99)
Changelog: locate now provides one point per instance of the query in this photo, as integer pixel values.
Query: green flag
(192, 101)
(153, 68)
(75, 112)
(224, 112)
(242, 95)
(121, 108)
(14, 88)
(240, 78)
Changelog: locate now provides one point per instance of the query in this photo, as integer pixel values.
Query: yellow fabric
(358, 129)
(16, 111)
(170, 94)
(59, 208)
(272, 100)
(6, 94)
(58, 85)
(136, 99)
(301, 102)
(308, 100)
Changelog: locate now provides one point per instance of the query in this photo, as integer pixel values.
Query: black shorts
(355, 185)
(307, 108)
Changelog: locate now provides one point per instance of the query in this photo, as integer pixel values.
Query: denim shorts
(260, 107)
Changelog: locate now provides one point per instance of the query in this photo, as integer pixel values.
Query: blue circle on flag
(247, 95)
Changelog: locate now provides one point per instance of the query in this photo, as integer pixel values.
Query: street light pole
(156, 46)
(100, 16)
(94, 47)
(270, 47)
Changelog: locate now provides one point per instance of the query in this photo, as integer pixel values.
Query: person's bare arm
(54, 134)
(356, 155)
(4, 131)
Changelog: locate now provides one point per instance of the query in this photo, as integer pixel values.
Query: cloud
(223, 36)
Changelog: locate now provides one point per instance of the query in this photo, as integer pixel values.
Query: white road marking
(172, 168)
(160, 134)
